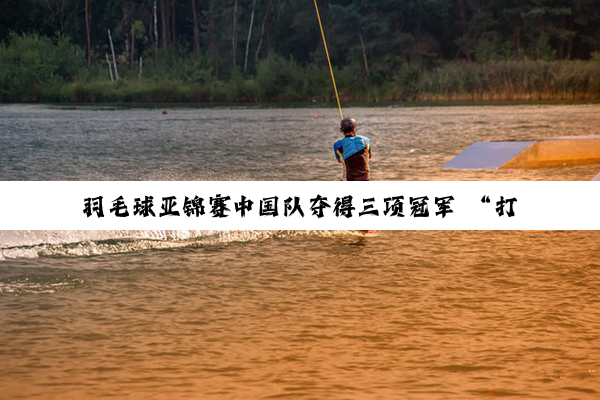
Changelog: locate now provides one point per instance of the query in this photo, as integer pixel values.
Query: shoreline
(128, 92)
(306, 105)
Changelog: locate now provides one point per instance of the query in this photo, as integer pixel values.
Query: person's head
(348, 126)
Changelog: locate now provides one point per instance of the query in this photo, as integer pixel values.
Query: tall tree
(234, 33)
(196, 29)
(249, 35)
(164, 23)
(87, 29)
(262, 30)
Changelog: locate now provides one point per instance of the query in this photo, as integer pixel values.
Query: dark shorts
(357, 166)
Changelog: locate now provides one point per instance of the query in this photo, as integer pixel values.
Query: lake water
(103, 143)
(291, 314)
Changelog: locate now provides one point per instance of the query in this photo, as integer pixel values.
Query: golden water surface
(416, 315)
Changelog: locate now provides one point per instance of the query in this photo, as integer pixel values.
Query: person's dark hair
(348, 125)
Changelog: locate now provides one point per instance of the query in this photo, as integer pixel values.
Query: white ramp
(555, 152)
(487, 155)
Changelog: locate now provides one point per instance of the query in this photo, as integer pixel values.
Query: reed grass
(284, 81)
(39, 69)
(522, 80)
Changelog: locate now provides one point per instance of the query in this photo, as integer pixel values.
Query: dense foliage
(271, 50)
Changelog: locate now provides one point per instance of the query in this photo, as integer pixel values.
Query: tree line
(219, 41)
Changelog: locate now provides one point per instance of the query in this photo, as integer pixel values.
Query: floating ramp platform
(535, 153)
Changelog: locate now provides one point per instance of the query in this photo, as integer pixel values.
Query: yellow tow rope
(337, 96)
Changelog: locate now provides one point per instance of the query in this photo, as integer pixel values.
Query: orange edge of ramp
(493, 155)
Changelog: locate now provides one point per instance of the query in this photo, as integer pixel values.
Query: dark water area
(107, 143)
(419, 315)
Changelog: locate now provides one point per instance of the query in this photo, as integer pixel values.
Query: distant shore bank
(455, 82)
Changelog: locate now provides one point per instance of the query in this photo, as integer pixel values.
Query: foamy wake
(34, 244)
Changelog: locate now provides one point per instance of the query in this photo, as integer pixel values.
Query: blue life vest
(350, 145)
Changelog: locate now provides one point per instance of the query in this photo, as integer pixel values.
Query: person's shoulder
(366, 139)
(337, 143)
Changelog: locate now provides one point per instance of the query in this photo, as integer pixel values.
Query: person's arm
(337, 151)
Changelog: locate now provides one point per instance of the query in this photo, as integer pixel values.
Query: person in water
(354, 152)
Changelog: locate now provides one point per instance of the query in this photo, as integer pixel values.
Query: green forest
(133, 51)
